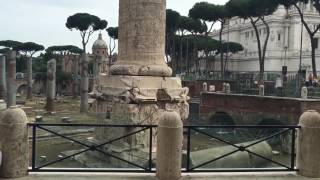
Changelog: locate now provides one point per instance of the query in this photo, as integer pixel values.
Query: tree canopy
(206, 44)
(255, 11)
(231, 47)
(29, 48)
(203, 11)
(87, 24)
(252, 8)
(191, 25)
(4, 50)
(10, 44)
(172, 21)
(64, 49)
(113, 32)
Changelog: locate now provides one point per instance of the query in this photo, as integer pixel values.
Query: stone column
(96, 69)
(169, 146)
(142, 26)
(308, 155)
(84, 84)
(11, 79)
(51, 85)
(3, 86)
(75, 88)
(13, 143)
(29, 70)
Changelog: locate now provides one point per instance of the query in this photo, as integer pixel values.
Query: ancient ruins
(140, 87)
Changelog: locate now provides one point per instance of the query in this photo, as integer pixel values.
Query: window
(247, 35)
(260, 31)
(264, 30)
(279, 37)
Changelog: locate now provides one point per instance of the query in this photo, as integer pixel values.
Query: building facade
(283, 46)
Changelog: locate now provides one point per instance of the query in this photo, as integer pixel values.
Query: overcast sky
(43, 21)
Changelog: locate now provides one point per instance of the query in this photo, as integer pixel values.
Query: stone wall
(248, 109)
(195, 87)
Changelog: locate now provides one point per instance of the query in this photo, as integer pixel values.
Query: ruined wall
(247, 109)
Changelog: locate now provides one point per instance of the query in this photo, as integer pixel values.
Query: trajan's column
(142, 27)
(140, 87)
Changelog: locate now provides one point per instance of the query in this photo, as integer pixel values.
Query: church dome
(99, 43)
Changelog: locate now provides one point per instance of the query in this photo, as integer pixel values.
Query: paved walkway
(122, 176)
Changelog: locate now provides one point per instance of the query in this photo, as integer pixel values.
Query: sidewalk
(128, 176)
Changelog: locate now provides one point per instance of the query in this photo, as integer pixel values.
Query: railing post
(204, 87)
(304, 92)
(169, 146)
(261, 90)
(228, 88)
(308, 154)
(13, 143)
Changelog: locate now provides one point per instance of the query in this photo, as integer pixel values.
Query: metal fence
(238, 145)
(60, 147)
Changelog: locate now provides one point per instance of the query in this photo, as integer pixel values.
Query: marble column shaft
(84, 84)
(11, 79)
(3, 86)
(29, 68)
(142, 26)
(51, 84)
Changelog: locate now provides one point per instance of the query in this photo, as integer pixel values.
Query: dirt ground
(65, 107)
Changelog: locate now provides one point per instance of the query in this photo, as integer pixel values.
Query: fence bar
(188, 148)
(293, 146)
(150, 150)
(34, 140)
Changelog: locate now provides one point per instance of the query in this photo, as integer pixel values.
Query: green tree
(4, 50)
(63, 77)
(312, 29)
(28, 49)
(211, 13)
(255, 11)
(113, 33)
(209, 47)
(229, 48)
(58, 52)
(186, 26)
(204, 11)
(113, 36)
(66, 49)
(87, 24)
(10, 44)
(172, 26)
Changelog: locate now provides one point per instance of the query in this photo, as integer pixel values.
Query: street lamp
(300, 59)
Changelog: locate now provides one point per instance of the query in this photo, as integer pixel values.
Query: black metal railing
(237, 139)
(45, 167)
(270, 132)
